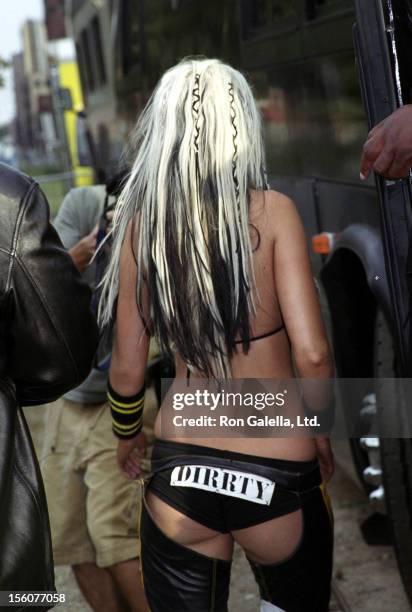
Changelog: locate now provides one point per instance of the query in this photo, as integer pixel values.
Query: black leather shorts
(178, 578)
(224, 490)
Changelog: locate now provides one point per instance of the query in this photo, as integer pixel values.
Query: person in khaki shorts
(94, 508)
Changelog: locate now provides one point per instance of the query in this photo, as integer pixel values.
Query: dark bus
(320, 82)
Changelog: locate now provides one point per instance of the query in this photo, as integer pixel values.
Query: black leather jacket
(48, 337)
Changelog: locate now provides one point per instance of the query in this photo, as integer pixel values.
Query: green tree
(4, 131)
(3, 66)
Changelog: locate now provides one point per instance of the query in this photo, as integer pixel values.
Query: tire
(396, 454)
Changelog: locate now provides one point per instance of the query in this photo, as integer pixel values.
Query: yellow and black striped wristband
(127, 412)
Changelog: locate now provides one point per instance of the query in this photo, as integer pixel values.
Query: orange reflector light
(323, 243)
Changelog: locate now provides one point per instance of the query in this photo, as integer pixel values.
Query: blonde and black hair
(199, 151)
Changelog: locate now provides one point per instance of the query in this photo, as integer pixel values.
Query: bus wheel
(396, 453)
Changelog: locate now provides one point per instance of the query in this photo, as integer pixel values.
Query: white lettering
(233, 483)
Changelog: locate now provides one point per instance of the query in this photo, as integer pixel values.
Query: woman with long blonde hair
(214, 264)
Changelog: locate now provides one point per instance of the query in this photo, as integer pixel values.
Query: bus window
(187, 27)
(130, 40)
(259, 16)
(315, 9)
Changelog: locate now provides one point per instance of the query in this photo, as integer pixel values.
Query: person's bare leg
(97, 587)
(128, 580)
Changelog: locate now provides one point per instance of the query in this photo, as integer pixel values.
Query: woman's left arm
(128, 366)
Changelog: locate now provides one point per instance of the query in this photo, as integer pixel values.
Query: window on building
(84, 144)
(76, 5)
(87, 58)
(100, 68)
(82, 69)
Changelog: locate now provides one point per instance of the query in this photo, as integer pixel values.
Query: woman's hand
(325, 456)
(129, 454)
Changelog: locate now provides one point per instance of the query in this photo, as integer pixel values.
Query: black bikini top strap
(266, 335)
(270, 333)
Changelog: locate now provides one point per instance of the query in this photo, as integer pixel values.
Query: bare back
(286, 295)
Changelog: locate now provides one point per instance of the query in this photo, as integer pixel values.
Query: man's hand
(83, 251)
(109, 219)
(129, 454)
(388, 147)
(325, 456)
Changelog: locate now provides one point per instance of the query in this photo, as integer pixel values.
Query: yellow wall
(69, 78)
